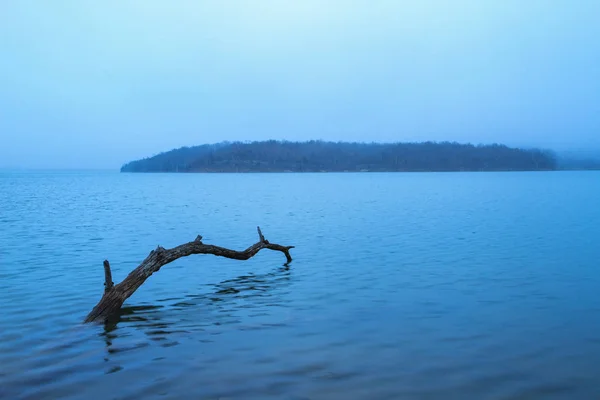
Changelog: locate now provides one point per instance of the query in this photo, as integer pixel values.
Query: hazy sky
(97, 83)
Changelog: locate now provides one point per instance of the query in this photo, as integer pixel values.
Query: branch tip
(108, 283)
(260, 235)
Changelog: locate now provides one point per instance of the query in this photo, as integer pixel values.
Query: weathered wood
(115, 295)
(108, 282)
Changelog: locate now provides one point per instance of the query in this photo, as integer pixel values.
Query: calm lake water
(403, 286)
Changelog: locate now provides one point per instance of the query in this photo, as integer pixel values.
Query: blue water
(403, 286)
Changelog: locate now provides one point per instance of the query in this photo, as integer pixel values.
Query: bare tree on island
(115, 295)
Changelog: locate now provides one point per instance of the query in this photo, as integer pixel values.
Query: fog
(96, 84)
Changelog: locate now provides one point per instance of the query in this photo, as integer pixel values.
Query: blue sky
(93, 84)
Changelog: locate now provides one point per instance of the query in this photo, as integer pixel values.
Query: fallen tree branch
(115, 295)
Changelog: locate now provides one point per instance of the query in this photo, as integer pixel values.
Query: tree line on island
(321, 156)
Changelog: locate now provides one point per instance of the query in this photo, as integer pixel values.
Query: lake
(403, 286)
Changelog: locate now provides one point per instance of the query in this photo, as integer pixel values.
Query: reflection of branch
(115, 295)
(156, 323)
(260, 283)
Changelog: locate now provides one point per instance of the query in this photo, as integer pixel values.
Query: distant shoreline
(327, 157)
(346, 172)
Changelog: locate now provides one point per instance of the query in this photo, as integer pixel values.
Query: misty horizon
(575, 154)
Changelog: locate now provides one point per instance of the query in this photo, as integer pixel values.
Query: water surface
(412, 286)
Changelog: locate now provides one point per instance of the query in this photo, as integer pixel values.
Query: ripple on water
(429, 286)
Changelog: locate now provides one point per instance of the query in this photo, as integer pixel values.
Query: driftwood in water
(115, 295)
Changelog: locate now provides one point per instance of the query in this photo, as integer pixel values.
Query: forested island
(320, 156)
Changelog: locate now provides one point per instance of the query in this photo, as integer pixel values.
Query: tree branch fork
(115, 295)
